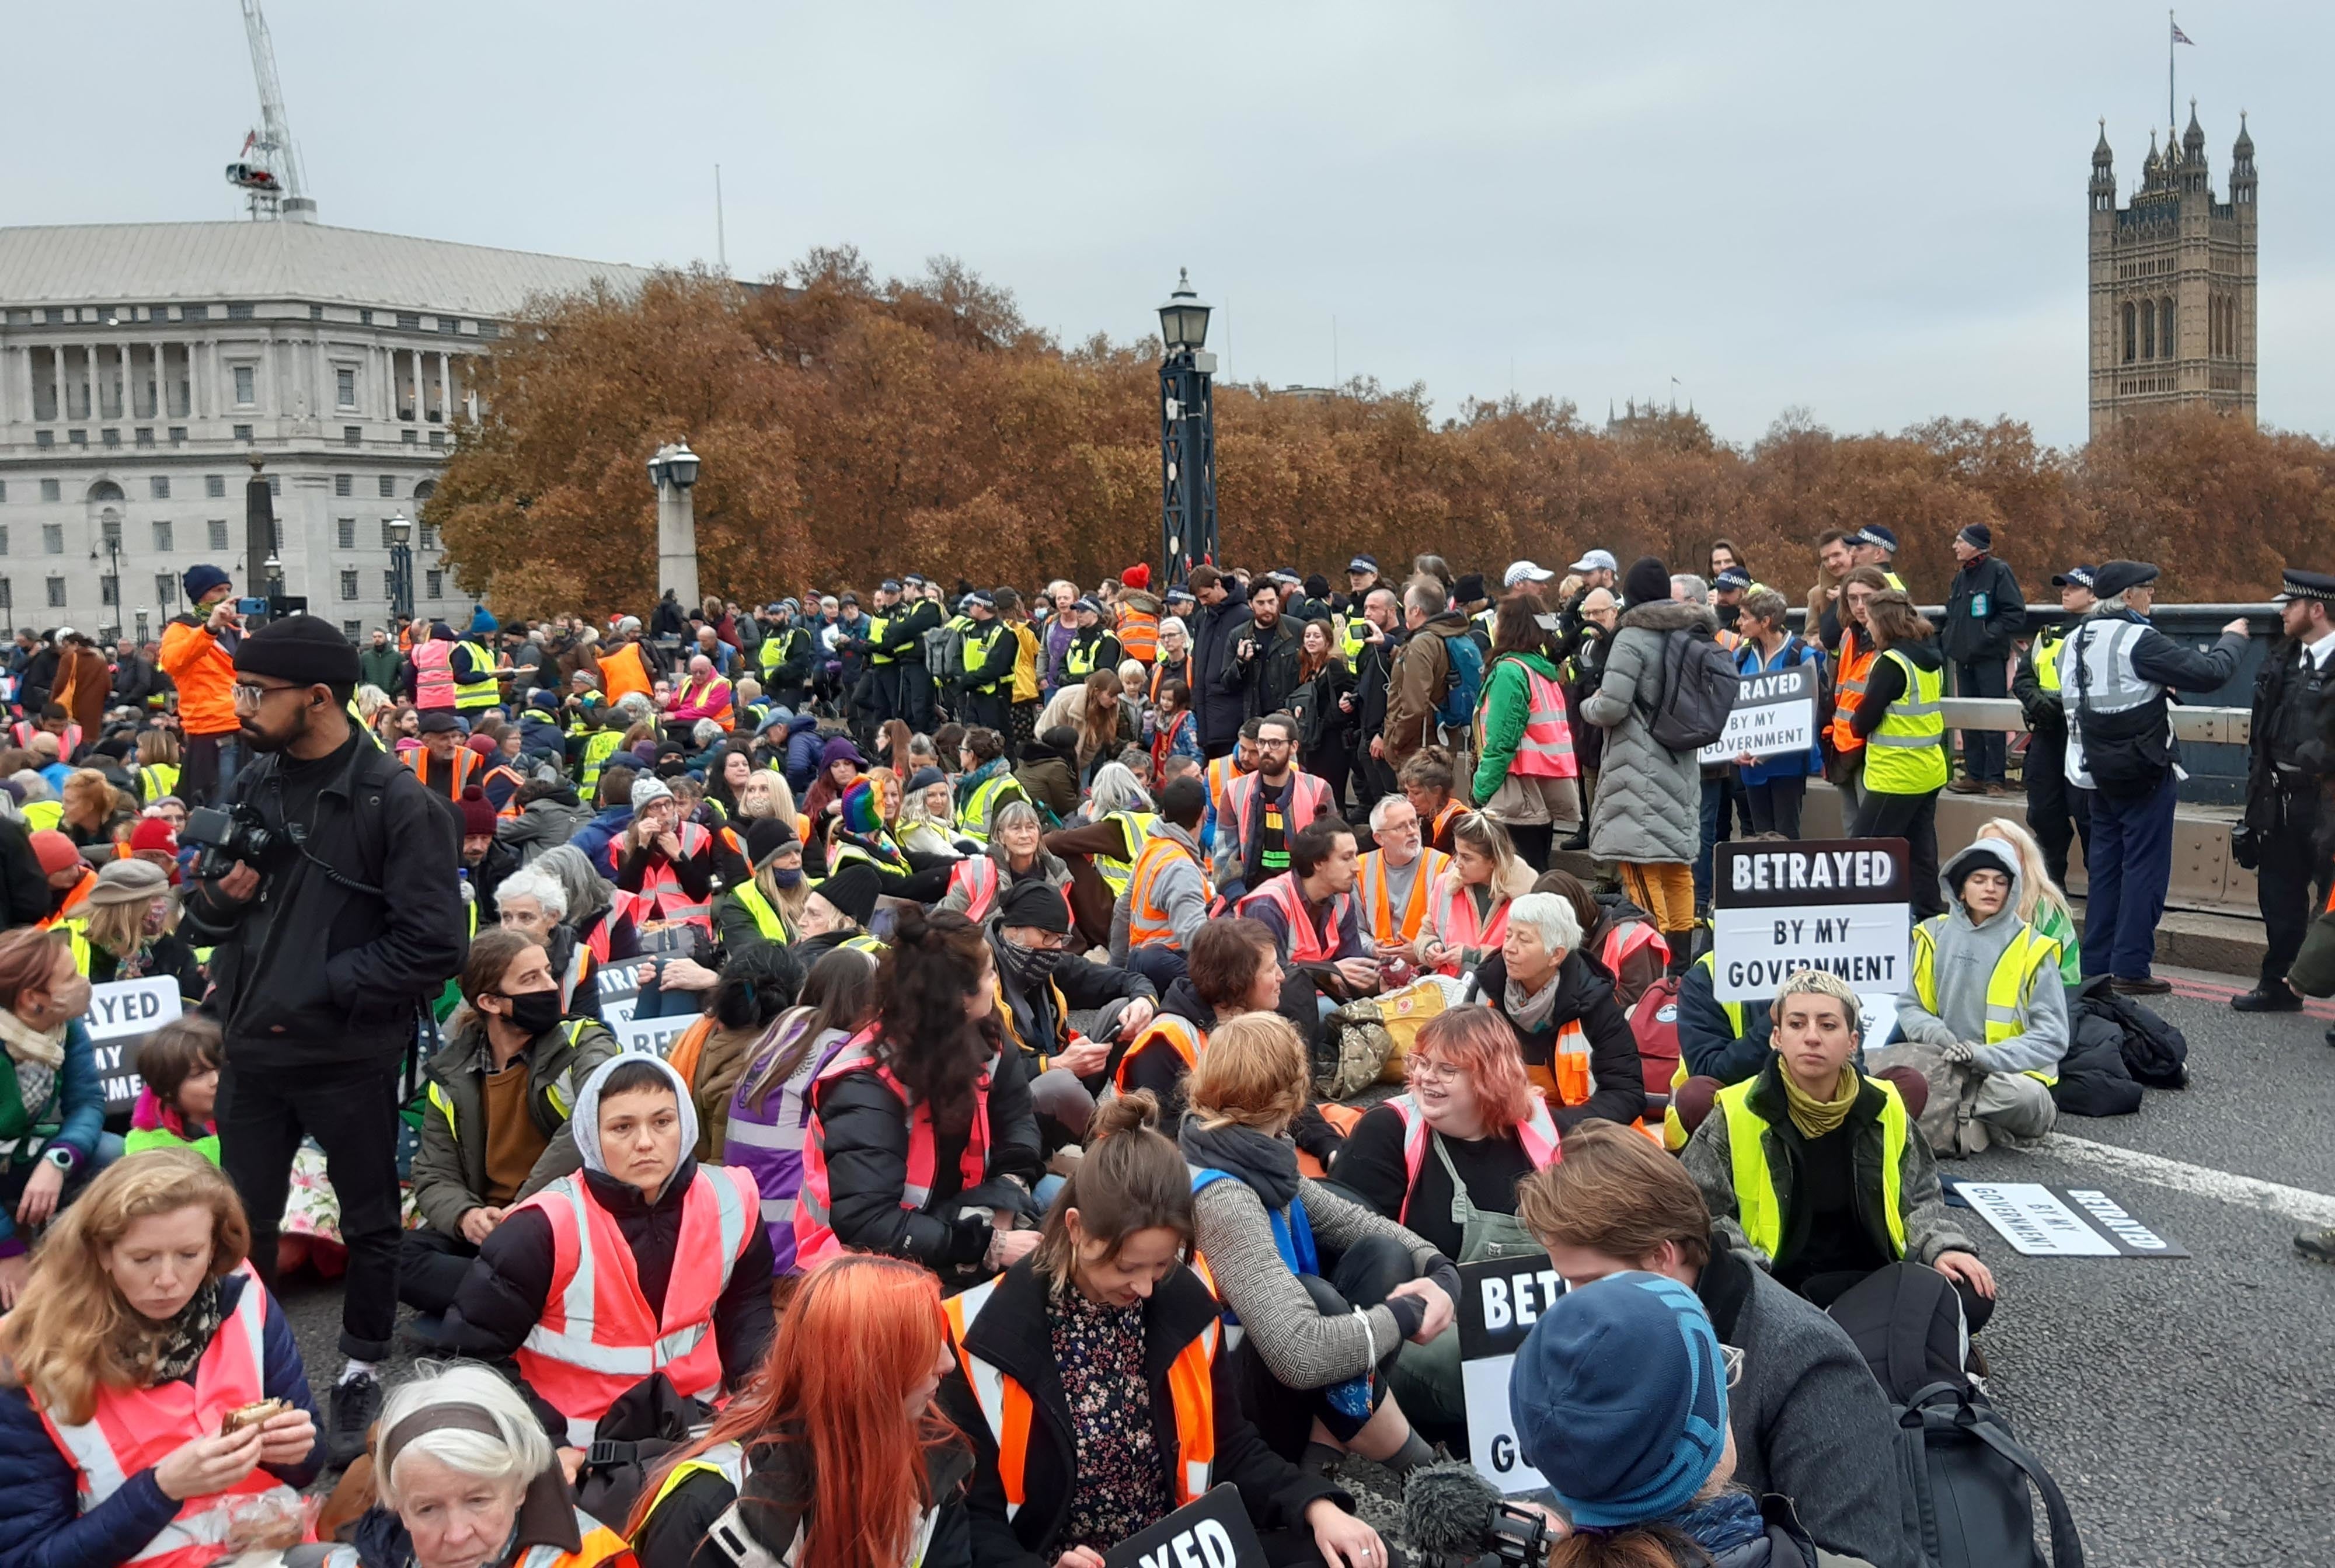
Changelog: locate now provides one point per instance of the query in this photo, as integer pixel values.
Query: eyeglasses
(1436, 1072)
(253, 696)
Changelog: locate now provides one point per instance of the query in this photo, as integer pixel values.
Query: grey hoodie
(584, 1125)
(1183, 893)
(1967, 952)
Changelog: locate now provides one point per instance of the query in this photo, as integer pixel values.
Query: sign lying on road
(1842, 905)
(1500, 1299)
(121, 1014)
(1775, 714)
(2048, 1222)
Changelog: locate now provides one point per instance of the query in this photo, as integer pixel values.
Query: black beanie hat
(854, 891)
(306, 648)
(765, 836)
(1647, 582)
(1034, 901)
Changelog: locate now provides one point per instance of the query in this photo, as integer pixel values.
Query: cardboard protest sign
(652, 1036)
(2055, 1222)
(1775, 714)
(1841, 905)
(618, 993)
(121, 1014)
(1213, 1532)
(1501, 1300)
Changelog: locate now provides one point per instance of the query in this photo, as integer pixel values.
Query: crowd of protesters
(1004, 936)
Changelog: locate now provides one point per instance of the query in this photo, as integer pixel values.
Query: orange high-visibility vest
(815, 1239)
(1139, 633)
(1537, 1133)
(596, 1337)
(977, 874)
(76, 901)
(1546, 748)
(1626, 939)
(1306, 942)
(1438, 833)
(1457, 923)
(433, 673)
(622, 673)
(1373, 884)
(447, 779)
(1179, 1034)
(1221, 774)
(1147, 918)
(661, 895)
(1006, 1408)
(134, 1429)
(1848, 691)
(67, 743)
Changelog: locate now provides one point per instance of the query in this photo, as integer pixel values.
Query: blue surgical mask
(786, 878)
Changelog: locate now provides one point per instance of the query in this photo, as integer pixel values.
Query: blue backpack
(1463, 682)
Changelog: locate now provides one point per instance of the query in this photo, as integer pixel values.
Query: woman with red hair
(835, 1456)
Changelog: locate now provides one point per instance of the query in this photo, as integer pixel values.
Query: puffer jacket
(544, 823)
(1648, 808)
(449, 1168)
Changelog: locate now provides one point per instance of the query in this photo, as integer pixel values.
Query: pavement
(2186, 1406)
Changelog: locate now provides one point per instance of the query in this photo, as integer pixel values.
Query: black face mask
(533, 1012)
(1031, 964)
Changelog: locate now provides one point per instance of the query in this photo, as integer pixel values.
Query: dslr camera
(229, 834)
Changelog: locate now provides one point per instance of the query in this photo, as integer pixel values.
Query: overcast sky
(1875, 211)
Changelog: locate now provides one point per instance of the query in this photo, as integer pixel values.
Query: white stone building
(142, 366)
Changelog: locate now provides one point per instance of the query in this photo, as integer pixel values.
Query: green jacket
(450, 1170)
(1501, 714)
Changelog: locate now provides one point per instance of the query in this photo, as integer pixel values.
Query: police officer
(2054, 811)
(1876, 545)
(2288, 764)
(2115, 673)
(986, 686)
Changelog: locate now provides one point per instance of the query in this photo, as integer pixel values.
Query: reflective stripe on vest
(1221, 774)
(977, 874)
(1463, 930)
(1848, 694)
(597, 750)
(876, 655)
(767, 919)
(485, 691)
(131, 1430)
(727, 1460)
(1306, 942)
(156, 779)
(1441, 828)
(1626, 939)
(1134, 828)
(453, 778)
(44, 814)
(595, 1337)
(1758, 1209)
(1308, 798)
(1147, 917)
(1544, 750)
(1905, 754)
(77, 941)
(1139, 634)
(1371, 883)
(433, 675)
(972, 818)
(1181, 1034)
(661, 895)
(1537, 1134)
(2008, 989)
(1079, 658)
(815, 1238)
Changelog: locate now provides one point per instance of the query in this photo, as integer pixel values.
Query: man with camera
(330, 893)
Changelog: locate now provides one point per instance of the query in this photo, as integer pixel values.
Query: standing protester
(1216, 698)
(2054, 809)
(1526, 770)
(2289, 762)
(1834, 561)
(324, 953)
(1901, 720)
(1985, 613)
(1373, 634)
(1422, 672)
(1774, 788)
(1844, 747)
(2117, 670)
(199, 655)
(1324, 704)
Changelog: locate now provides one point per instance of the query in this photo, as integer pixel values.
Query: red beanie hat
(484, 745)
(478, 816)
(1138, 575)
(153, 833)
(54, 851)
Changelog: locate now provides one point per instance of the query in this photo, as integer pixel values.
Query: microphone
(1450, 1511)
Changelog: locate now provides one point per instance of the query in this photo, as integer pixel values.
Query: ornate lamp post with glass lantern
(400, 567)
(674, 471)
(1188, 435)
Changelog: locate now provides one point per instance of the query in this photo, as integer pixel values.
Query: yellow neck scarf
(1813, 1117)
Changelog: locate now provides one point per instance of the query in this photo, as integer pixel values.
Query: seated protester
(1425, 783)
(1220, 773)
(1101, 845)
(856, 836)
(766, 911)
(1467, 910)
(1235, 969)
(1048, 770)
(1310, 911)
(1324, 1290)
(1620, 1399)
(467, 1479)
(1016, 851)
(1113, 1347)
(756, 986)
(2041, 902)
(486, 860)
(1807, 1419)
(128, 929)
(771, 1107)
(984, 782)
(1443, 1160)
(922, 1141)
(836, 1455)
(839, 764)
(1393, 883)
(1578, 1050)
(928, 817)
(613, 795)
(694, 1271)
(70, 878)
(179, 1066)
(1987, 997)
(836, 915)
(1154, 921)
(533, 902)
(52, 1102)
(494, 1122)
(1819, 1172)
(1726, 1042)
(550, 812)
(1262, 811)
(1040, 983)
(141, 1328)
(661, 866)
(1618, 937)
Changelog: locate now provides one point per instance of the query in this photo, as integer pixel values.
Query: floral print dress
(1122, 1483)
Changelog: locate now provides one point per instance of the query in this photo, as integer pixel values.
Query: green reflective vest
(2048, 641)
(470, 696)
(597, 750)
(156, 779)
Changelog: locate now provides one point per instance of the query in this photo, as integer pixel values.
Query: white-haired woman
(468, 1479)
(1468, 907)
(1578, 1050)
(533, 901)
(1100, 847)
(1016, 850)
(590, 895)
(1175, 660)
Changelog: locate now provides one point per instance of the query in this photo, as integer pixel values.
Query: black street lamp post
(1188, 435)
(400, 567)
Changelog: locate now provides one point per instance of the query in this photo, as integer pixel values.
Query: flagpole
(2170, 28)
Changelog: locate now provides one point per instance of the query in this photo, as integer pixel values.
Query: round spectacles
(1435, 1071)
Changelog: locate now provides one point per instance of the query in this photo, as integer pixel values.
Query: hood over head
(586, 1121)
(1993, 853)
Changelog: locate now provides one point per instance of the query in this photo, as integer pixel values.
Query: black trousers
(350, 1110)
(1913, 819)
(1330, 762)
(2058, 813)
(984, 710)
(2291, 886)
(1774, 805)
(1983, 750)
(1824, 1290)
(1374, 780)
(1533, 841)
(430, 1268)
(1364, 1277)
(917, 698)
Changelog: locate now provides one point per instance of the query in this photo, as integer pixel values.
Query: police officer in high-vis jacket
(2289, 762)
(2054, 810)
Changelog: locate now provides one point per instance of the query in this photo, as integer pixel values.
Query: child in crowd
(180, 1064)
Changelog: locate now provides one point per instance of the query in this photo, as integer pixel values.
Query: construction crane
(267, 170)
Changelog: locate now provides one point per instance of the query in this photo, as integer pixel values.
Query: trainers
(2319, 1246)
(357, 1404)
(2146, 986)
(2280, 998)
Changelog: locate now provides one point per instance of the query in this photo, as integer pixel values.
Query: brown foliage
(851, 429)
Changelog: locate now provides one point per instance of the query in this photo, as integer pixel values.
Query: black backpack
(1700, 683)
(2155, 1053)
(1965, 1476)
(2093, 1080)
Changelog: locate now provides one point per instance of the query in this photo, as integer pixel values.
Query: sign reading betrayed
(1840, 906)
(1501, 1300)
(121, 1014)
(1775, 713)
(1213, 1532)
(2048, 1222)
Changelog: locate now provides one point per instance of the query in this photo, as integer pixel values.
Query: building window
(112, 437)
(346, 533)
(49, 491)
(157, 489)
(108, 589)
(388, 487)
(489, 330)
(275, 484)
(349, 585)
(448, 326)
(178, 435)
(242, 432)
(352, 630)
(345, 484)
(245, 385)
(428, 536)
(162, 543)
(77, 438)
(346, 377)
(53, 538)
(56, 593)
(409, 321)
(195, 313)
(42, 440)
(144, 436)
(110, 530)
(3, 538)
(353, 435)
(217, 529)
(435, 582)
(2131, 330)
(7, 594)
(166, 588)
(238, 312)
(412, 438)
(2148, 329)
(2164, 328)
(215, 486)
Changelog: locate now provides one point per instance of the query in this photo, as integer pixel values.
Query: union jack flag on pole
(2181, 37)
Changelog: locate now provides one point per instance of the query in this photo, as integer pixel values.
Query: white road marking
(2296, 1203)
